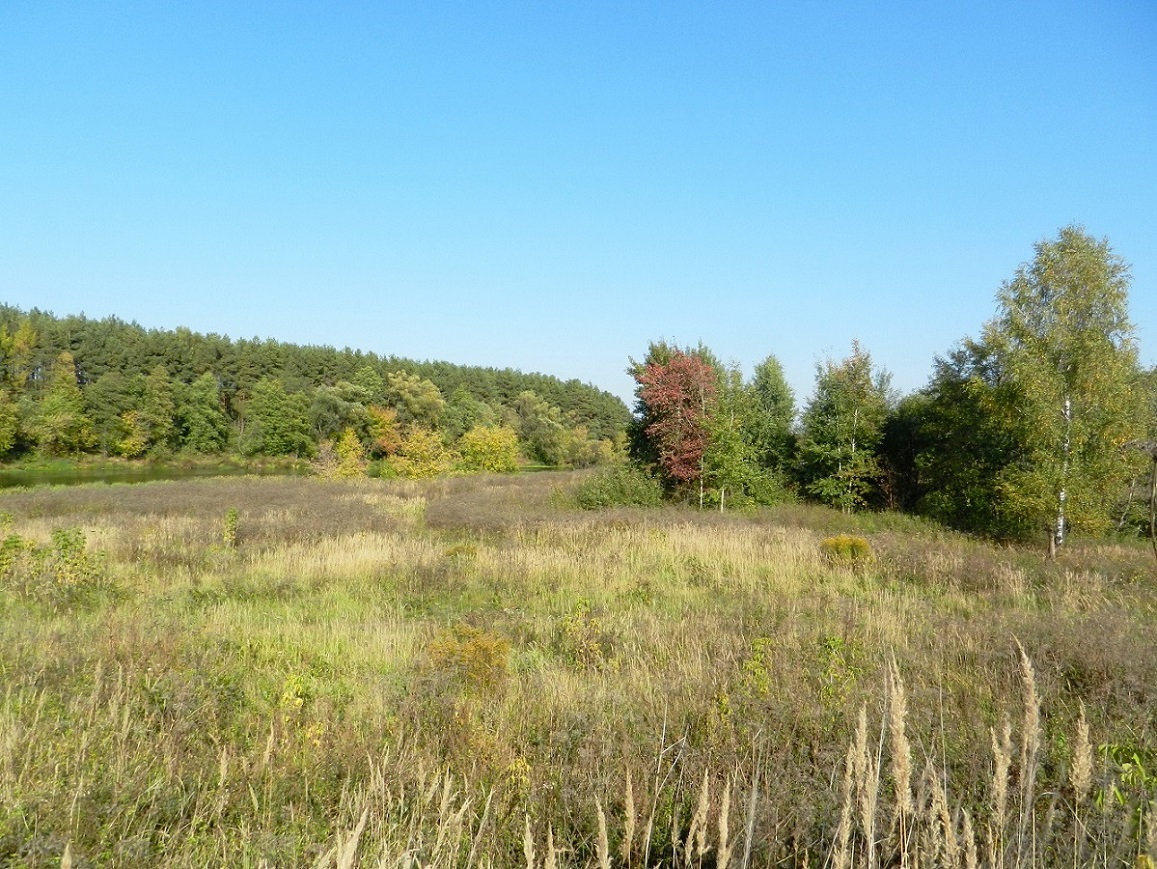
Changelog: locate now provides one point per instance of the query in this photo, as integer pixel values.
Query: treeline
(1042, 424)
(72, 386)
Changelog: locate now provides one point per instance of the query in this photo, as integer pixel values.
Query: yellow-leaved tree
(421, 454)
(489, 448)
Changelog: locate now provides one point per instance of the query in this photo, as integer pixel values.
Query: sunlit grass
(222, 704)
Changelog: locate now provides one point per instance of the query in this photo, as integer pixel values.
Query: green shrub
(619, 486)
(583, 642)
(229, 530)
(60, 574)
(847, 549)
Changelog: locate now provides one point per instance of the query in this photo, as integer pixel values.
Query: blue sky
(549, 186)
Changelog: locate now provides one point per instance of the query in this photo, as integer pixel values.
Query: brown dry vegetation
(471, 672)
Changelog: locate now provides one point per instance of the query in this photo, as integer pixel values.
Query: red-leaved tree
(678, 395)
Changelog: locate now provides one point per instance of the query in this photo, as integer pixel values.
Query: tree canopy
(134, 392)
(1042, 423)
(1022, 430)
(842, 428)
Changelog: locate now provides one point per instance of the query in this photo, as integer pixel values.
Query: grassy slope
(454, 657)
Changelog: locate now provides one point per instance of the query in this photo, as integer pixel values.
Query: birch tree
(1066, 349)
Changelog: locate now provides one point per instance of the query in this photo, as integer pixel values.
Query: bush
(61, 574)
(847, 549)
(489, 448)
(620, 486)
(473, 658)
(229, 529)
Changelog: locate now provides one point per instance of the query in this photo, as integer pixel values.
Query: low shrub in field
(583, 642)
(471, 656)
(60, 574)
(847, 549)
(229, 528)
(457, 696)
(619, 486)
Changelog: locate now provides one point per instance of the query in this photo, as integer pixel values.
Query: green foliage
(623, 485)
(842, 427)
(279, 421)
(1067, 355)
(734, 467)
(771, 426)
(1023, 430)
(847, 549)
(961, 444)
(371, 384)
(1133, 770)
(229, 528)
(59, 423)
(201, 423)
(134, 436)
(18, 344)
(581, 450)
(9, 422)
(540, 427)
(60, 575)
(335, 408)
(464, 412)
(107, 400)
(417, 401)
(179, 411)
(707, 430)
(900, 447)
(158, 410)
(133, 415)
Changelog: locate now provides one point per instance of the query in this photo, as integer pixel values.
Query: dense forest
(73, 386)
(1042, 424)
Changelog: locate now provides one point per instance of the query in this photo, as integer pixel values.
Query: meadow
(475, 672)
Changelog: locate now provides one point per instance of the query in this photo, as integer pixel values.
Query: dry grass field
(473, 672)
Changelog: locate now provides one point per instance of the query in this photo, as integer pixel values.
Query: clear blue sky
(549, 186)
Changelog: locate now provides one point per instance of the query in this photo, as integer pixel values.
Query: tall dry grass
(472, 673)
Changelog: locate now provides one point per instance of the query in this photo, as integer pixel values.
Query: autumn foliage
(678, 395)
